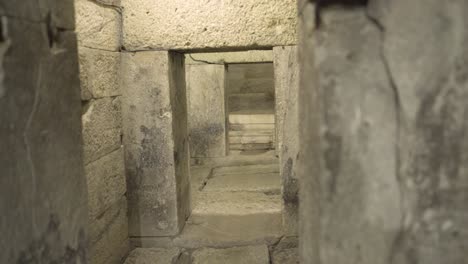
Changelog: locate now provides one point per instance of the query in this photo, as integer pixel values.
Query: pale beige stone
(182, 24)
(102, 127)
(106, 182)
(235, 255)
(229, 57)
(157, 256)
(99, 73)
(97, 26)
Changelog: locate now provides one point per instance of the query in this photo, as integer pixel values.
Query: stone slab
(157, 256)
(156, 142)
(99, 73)
(182, 25)
(262, 182)
(235, 255)
(98, 26)
(102, 127)
(251, 118)
(251, 139)
(206, 110)
(246, 169)
(229, 57)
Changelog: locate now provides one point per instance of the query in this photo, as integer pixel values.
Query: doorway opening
(235, 177)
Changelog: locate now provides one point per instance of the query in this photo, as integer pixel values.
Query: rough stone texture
(229, 57)
(99, 73)
(206, 109)
(58, 13)
(42, 184)
(287, 129)
(98, 26)
(156, 142)
(427, 59)
(106, 182)
(214, 24)
(108, 234)
(248, 78)
(158, 256)
(285, 252)
(235, 255)
(102, 127)
(393, 87)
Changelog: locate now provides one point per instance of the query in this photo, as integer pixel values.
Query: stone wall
(287, 134)
(42, 184)
(190, 25)
(156, 142)
(382, 165)
(98, 27)
(206, 110)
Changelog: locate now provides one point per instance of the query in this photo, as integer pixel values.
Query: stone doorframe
(156, 138)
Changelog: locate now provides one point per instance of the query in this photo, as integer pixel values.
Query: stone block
(158, 256)
(156, 142)
(229, 57)
(109, 234)
(285, 252)
(97, 26)
(43, 188)
(189, 25)
(235, 255)
(106, 182)
(99, 73)
(102, 127)
(206, 108)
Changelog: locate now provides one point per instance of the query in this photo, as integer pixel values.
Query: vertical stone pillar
(43, 201)
(286, 67)
(206, 110)
(156, 142)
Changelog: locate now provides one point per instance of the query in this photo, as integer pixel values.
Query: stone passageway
(236, 216)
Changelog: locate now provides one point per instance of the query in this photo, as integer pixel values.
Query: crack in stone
(399, 126)
(27, 143)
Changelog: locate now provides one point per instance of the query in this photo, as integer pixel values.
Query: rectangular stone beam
(156, 142)
(207, 116)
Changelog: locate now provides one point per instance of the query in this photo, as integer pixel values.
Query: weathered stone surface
(427, 57)
(251, 78)
(109, 234)
(156, 142)
(235, 255)
(206, 108)
(285, 252)
(229, 57)
(42, 184)
(98, 26)
(157, 256)
(106, 182)
(109, 2)
(214, 24)
(360, 191)
(99, 73)
(59, 14)
(287, 129)
(102, 127)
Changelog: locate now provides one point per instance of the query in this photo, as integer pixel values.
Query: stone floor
(236, 217)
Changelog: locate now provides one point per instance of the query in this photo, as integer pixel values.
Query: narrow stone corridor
(236, 216)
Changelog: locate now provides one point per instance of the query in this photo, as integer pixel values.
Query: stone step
(254, 133)
(251, 127)
(158, 256)
(259, 146)
(250, 139)
(225, 219)
(235, 255)
(259, 182)
(252, 119)
(247, 169)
